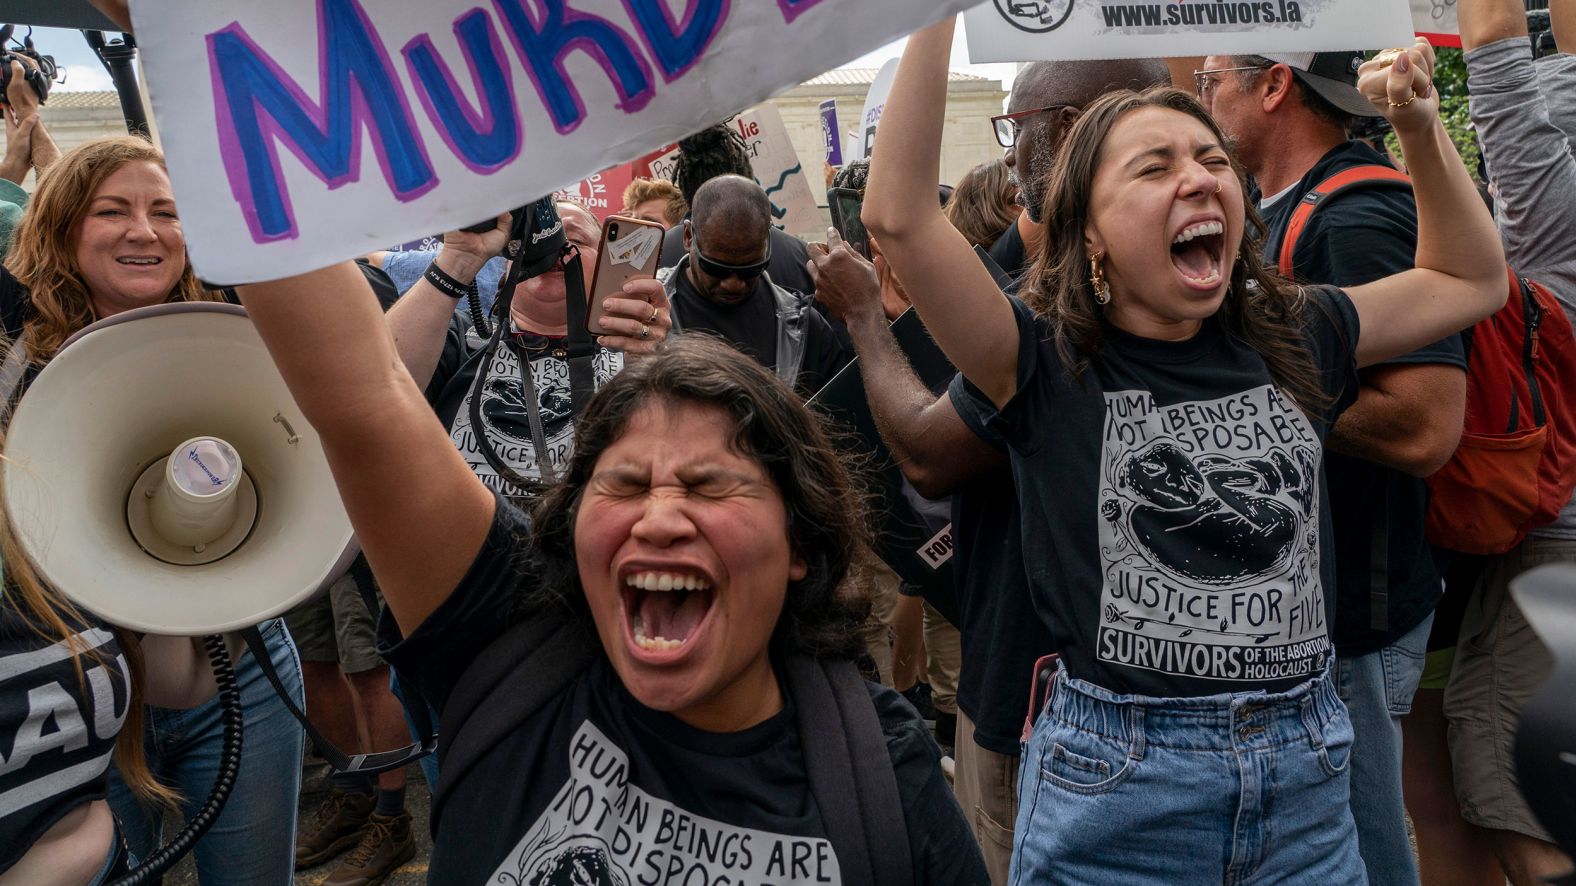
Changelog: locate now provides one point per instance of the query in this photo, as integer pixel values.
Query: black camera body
(40, 74)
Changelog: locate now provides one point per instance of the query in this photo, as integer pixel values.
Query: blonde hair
(643, 189)
(51, 617)
(43, 250)
(981, 204)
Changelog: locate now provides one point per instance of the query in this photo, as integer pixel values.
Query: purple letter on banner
(544, 42)
(792, 9)
(678, 46)
(257, 104)
(485, 140)
(829, 136)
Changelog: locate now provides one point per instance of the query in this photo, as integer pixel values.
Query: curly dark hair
(1261, 309)
(715, 150)
(824, 501)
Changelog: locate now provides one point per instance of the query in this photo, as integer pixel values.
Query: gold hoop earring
(1102, 290)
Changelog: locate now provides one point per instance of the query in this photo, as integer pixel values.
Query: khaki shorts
(1499, 663)
(337, 627)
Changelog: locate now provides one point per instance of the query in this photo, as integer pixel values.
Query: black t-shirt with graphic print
(1366, 234)
(1174, 519)
(504, 409)
(599, 784)
(57, 728)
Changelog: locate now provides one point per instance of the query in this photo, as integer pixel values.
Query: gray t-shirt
(1525, 113)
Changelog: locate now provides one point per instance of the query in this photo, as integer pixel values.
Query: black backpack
(849, 768)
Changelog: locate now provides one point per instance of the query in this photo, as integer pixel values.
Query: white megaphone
(159, 473)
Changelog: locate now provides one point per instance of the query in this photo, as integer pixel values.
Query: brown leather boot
(335, 827)
(386, 843)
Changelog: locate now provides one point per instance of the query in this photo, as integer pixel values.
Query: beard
(1037, 177)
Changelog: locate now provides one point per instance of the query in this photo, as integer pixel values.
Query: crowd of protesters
(1198, 629)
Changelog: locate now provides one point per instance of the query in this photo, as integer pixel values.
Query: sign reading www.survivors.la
(1025, 30)
(302, 132)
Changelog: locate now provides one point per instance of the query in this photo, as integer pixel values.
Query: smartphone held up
(630, 250)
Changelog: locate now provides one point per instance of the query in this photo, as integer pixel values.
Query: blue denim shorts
(1238, 788)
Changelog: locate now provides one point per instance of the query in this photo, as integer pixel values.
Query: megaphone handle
(370, 764)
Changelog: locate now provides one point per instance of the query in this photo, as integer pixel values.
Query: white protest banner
(778, 169)
(875, 106)
(776, 164)
(303, 132)
(1029, 30)
(1436, 20)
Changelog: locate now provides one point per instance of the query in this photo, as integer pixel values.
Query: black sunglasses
(723, 271)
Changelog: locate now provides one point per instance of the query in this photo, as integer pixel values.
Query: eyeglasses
(1204, 82)
(722, 271)
(1008, 126)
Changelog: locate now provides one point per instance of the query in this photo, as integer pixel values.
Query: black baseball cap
(1333, 76)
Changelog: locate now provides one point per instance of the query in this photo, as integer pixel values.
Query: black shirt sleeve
(824, 355)
(382, 284)
(438, 652)
(967, 401)
(1331, 329)
(940, 841)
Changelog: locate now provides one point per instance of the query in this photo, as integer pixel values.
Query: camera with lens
(39, 70)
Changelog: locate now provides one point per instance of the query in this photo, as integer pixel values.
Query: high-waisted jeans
(253, 841)
(1235, 789)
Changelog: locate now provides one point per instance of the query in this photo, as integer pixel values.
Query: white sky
(83, 71)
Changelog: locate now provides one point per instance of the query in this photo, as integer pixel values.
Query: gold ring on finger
(1387, 57)
(654, 311)
(1395, 104)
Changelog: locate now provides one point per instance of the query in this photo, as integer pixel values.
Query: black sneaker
(946, 732)
(918, 695)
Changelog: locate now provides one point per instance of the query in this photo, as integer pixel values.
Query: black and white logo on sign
(1035, 16)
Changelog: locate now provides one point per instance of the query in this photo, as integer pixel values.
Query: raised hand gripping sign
(304, 132)
(1025, 30)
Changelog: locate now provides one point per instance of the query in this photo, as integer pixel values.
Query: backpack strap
(850, 771)
(1379, 521)
(1339, 183)
(505, 685)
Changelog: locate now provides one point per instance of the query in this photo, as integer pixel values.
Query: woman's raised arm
(1459, 277)
(954, 294)
(419, 512)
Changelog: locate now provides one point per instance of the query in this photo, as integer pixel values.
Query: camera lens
(612, 232)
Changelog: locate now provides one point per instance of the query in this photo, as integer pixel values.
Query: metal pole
(119, 57)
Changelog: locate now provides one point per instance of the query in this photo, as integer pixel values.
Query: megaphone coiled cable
(156, 864)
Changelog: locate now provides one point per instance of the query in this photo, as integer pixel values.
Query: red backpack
(1515, 467)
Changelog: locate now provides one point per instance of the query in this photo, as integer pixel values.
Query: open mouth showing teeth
(1196, 252)
(665, 609)
(142, 262)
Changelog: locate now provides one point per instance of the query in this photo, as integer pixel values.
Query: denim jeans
(1378, 689)
(1240, 788)
(253, 841)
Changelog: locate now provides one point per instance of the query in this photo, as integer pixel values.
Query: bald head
(734, 203)
(1078, 83)
(1065, 89)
